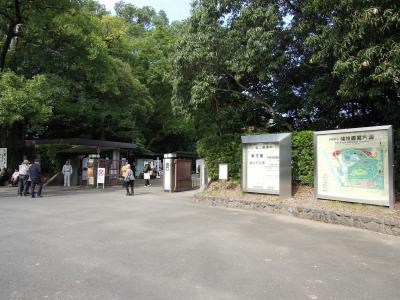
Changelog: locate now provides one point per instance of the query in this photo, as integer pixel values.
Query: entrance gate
(183, 175)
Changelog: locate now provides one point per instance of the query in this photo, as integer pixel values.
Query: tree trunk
(11, 33)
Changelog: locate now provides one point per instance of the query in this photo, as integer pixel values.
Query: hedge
(227, 149)
(221, 150)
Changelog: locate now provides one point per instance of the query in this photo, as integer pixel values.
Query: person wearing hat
(23, 178)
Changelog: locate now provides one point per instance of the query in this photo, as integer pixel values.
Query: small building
(96, 153)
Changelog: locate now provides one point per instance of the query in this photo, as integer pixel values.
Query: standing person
(123, 168)
(23, 178)
(146, 175)
(123, 172)
(67, 172)
(129, 180)
(34, 174)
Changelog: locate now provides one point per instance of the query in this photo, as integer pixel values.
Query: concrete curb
(383, 225)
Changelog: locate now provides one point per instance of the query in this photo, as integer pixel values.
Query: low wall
(382, 225)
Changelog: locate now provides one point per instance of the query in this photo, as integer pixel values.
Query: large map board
(266, 165)
(355, 165)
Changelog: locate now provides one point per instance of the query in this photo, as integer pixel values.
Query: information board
(354, 165)
(263, 166)
(3, 158)
(266, 164)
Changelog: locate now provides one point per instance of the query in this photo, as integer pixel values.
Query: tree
(346, 68)
(228, 59)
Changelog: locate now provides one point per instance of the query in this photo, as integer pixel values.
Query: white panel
(263, 166)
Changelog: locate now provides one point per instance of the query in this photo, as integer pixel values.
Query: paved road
(104, 245)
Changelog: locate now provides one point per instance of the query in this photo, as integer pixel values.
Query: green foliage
(49, 160)
(303, 157)
(221, 150)
(27, 101)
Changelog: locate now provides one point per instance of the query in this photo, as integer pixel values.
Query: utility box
(266, 164)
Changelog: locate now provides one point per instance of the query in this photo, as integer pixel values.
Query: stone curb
(383, 225)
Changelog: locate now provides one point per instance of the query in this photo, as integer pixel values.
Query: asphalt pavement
(101, 244)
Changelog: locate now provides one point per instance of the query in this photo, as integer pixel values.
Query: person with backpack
(129, 180)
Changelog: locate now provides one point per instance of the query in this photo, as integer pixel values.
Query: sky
(176, 10)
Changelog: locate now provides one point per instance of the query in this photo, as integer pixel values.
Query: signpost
(355, 165)
(101, 173)
(223, 172)
(3, 158)
(266, 164)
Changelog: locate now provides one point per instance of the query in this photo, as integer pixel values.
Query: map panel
(353, 165)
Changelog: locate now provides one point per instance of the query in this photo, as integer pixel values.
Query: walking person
(23, 178)
(129, 180)
(67, 172)
(34, 174)
(146, 175)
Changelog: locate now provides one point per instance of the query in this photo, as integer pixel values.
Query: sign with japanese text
(353, 165)
(263, 166)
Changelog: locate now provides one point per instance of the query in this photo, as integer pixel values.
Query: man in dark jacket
(34, 174)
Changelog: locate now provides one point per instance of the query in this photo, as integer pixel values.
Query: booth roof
(111, 145)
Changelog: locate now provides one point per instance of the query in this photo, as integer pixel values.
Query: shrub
(221, 150)
(303, 157)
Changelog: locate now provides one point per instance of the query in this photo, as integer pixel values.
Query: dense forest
(70, 68)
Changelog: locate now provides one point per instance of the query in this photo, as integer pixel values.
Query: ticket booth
(178, 171)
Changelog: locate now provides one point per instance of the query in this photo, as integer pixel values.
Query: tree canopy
(70, 68)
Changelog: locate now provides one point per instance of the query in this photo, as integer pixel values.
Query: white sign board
(101, 173)
(223, 172)
(263, 166)
(3, 158)
(353, 165)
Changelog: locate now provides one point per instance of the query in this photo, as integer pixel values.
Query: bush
(49, 160)
(221, 150)
(303, 157)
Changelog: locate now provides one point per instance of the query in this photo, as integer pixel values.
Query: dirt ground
(304, 196)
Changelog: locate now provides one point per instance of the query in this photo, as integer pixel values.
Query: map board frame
(284, 142)
(389, 165)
